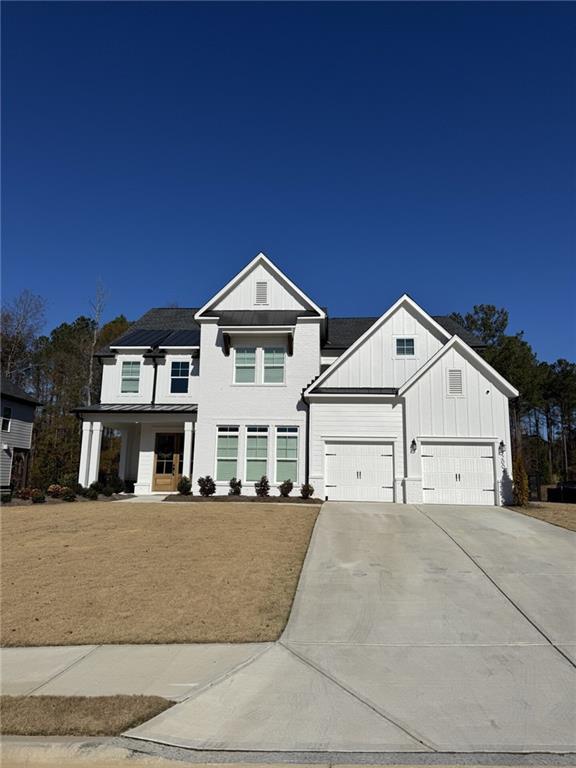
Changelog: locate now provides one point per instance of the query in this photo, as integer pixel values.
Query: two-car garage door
(458, 473)
(360, 471)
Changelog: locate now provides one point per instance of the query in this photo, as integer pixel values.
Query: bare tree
(97, 305)
(22, 319)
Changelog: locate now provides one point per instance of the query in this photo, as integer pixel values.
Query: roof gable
(245, 292)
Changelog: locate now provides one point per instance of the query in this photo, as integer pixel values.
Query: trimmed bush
(37, 496)
(285, 488)
(91, 493)
(107, 491)
(128, 486)
(116, 483)
(54, 490)
(262, 486)
(24, 493)
(235, 487)
(207, 486)
(306, 490)
(520, 487)
(68, 494)
(184, 486)
(6, 498)
(98, 487)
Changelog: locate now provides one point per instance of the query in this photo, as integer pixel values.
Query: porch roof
(137, 408)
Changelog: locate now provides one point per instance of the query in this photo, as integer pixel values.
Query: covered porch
(156, 449)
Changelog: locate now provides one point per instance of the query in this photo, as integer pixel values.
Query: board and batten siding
(355, 418)
(243, 296)
(481, 412)
(376, 364)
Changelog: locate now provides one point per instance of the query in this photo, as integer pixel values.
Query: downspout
(155, 364)
(307, 442)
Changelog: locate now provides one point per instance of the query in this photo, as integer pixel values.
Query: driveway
(414, 628)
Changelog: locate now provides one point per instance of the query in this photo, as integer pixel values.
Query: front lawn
(563, 515)
(150, 573)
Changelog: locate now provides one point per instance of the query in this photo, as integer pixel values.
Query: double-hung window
(405, 347)
(227, 453)
(130, 377)
(179, 377)
(274, 365)
(245, 365)
(256, 453)
(6, 417)
(286, 454)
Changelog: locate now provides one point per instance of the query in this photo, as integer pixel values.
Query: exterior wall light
(413, 446)
(501, 448)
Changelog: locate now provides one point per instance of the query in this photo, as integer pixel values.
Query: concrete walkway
(413, 629)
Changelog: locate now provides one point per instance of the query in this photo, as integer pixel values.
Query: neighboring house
(260, 381)
(18, 412)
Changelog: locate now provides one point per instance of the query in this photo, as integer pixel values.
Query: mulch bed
(250, 499)
(50, 501)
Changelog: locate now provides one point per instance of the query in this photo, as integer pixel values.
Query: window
(404, 347)
(256, 453)
(261, 292)
(6, 416)
(287, 454)
(179, 377)
(274, 365)
(455, 387)
(130, 377)
(245, 365)
(227, 453)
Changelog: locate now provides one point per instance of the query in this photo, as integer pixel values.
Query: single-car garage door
(360, 471)
(458, 473)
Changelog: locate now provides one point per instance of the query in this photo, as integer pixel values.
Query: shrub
(6, 498)
(37, 496)
(68, 494)
(207, 486)
(285, 488)
(306, 490)
(54, 490)
(184, 486)
(24, 493)
(91, 493)
(235, 487)
(69, 480)
(99, 487)
(107, 491)
(129, 486)
(262, 486)
(520, 488)
(116, 483)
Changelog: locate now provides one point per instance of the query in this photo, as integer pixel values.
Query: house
(261, 381)
(18, 412)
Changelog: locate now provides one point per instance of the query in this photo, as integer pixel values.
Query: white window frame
(462, 378)
(400, 355)
(226, 429)
(180, 361)
(292, 431)
(6, 418)
(130, 378)
(256, 429)
(243, 366)
(274, 367)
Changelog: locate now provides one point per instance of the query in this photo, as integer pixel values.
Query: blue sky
(369, 149)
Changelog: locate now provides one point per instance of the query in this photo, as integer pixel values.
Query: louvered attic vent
(261, 292)
(455, 381)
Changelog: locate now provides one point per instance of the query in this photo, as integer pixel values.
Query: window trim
(293, 430)
(257, 429)
(6, 418)
(404, 355)
(264, 366)
(130, 378)
(180, 376)
(226, 429)
(236, 366)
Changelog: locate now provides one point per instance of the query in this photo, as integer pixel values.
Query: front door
(167, 461)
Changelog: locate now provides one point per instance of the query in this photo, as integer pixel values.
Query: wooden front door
(167, 461)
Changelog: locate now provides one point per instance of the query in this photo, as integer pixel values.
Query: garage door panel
(360, 471)
(458, 473)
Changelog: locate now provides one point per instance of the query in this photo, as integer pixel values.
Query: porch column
(124, 437)
(187, 454)
(85, 453)
(95, 445)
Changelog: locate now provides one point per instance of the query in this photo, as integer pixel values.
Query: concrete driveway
(414, 628)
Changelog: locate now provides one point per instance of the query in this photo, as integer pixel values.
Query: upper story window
(6, 418)
(130, 377)
(286, 454)
(261, 296)
(227, 453)
(256, 453)
(245, 365)
(455, 383)
(273, 365)
(405, 347)
(179, 377)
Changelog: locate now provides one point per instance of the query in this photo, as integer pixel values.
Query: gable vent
(455, 381)
(261, 292)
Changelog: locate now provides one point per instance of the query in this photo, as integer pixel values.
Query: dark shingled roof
(161, 326)
(342, 332)
(15, 392)
(356, 391)
(262, 317)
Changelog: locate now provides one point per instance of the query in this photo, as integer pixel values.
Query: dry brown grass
(150, 573)
(76, 715)
(563, 515)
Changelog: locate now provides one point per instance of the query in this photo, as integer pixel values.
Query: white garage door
(458, 473)
(360, 471)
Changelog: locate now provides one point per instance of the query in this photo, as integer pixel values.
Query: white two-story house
(261, 381)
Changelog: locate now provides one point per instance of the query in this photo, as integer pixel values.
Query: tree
(485, 321)
(21, 320)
